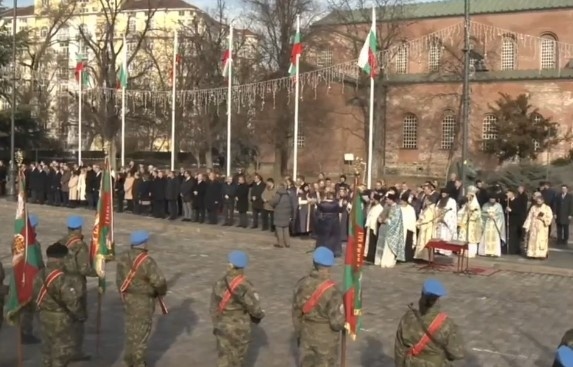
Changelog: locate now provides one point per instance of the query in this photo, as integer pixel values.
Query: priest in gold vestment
(426, 229)
(470, 223)
(536, 228)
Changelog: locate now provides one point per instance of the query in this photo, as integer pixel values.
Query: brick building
(518, 46)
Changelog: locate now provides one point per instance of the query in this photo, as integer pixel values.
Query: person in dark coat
(172, 191)
(199, 199)
(563, 213)
(186, 192)
(212, 199)
(293, 196)
(90, 181)
(283, 214)
(119, 189)
(242, 201)
(142, 201)
(328, 224)
(158, 190)
(228, 192)
(257, 204)
(516, 213)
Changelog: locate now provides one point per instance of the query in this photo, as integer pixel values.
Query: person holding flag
(318, 313)
(77, 265)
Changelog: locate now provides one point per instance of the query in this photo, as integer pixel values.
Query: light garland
(256, 95)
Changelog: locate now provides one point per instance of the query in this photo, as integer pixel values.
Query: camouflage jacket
(243, 305)
(77, 262)
(63, 294)
(410, 332)
(329, 308)
(148, 279)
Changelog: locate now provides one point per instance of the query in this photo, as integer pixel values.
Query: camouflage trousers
(232, 346)
(57, 339)
(27, 320)
(78, 328)
(138, 320)
(319, 346)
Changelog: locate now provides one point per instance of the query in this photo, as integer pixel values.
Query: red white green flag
(295, 53)
(226, 60)
(102, 247)
(81, 74)
(26, 257)
(353, 262)
(367, 60)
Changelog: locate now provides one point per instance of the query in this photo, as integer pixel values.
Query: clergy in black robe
(516, 212)
(328, 224)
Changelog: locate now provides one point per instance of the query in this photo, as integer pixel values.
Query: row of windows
(548, 54)
(448, 130)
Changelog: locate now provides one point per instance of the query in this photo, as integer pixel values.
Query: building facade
(522, 48)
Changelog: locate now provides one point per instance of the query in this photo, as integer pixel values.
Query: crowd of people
(400, 220)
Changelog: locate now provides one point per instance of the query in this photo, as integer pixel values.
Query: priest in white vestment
(426, 229)
(390, 245)
(447, 220)
(408, 225)
(470, 222)
(536, 228)
(494, 234)
(372, 226)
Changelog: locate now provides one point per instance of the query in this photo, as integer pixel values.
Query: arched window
(548, 52)
(448, 131)
(508, 52)
(434, 55)
(489, 130)
(44, 32)
(402, 58)
(410, 132)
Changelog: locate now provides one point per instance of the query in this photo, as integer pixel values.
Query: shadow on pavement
(259, 340)
(373, 355)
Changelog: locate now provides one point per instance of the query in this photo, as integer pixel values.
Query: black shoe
(30, 339)
(81, 358)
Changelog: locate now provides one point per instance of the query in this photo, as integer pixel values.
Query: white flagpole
(229, 103)
(296, 100)
(124, 67)
(80, 80)
(173, 82)
(371, 116)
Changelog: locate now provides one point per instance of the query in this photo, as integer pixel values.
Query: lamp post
(466, 93)
(13, 169)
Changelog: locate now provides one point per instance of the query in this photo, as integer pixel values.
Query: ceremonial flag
(122, 75)
(226, 60)
(176, 63)
(80, 73)
(26, 257)
(353, 264)
(367, 59)
(295, 52)
(102, 245)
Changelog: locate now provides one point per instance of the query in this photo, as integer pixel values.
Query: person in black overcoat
(119, 190)
(257, 204)
(199, 198)
(212, 198)
(53, 183)
(43, 184)
(186, 192)
(563, 212)
(328, 224)
(158, 188)
(142, 201)
(242, 201)
(172, 194)
(228, 192)
(516, 211)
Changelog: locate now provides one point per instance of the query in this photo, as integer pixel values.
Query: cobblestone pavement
(507, 319)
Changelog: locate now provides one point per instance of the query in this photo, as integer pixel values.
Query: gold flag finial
(19, 157)
(359, 167)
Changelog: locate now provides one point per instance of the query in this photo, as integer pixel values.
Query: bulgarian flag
(226, 60)
(26, 257)
(176, 61)
(353, 264)
(102, 245)
(81, 74)
(296, 51)
(122, 75)
(367, 59)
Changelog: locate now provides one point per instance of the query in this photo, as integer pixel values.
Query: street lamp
(13, 169)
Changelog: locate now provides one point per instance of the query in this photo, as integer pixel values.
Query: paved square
(507, 319)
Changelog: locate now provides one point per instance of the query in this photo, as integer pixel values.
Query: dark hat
(433, 287)
(392, 196)
(444, 191)
(376, 196)
(56, 251)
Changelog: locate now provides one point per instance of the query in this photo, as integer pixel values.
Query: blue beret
(323, 256)
(75, 222)
(139, 238)
(33, 220)
(433, 287)
(238, 259)
(565, 356)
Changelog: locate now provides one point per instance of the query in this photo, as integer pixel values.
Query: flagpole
(80, 80)
(371, 117)
(123, 86)
(174, 80)
(229, 102)
(296, 101)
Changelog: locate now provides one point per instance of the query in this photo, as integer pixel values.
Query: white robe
(447, 227)
(409, 222)
(372, 223)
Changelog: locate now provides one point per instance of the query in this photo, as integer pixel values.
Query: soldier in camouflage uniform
(427, 337)
(27, 312)
(318, 313)
(57, 300)
(235, 306)
(140, 283)
(77, 265)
